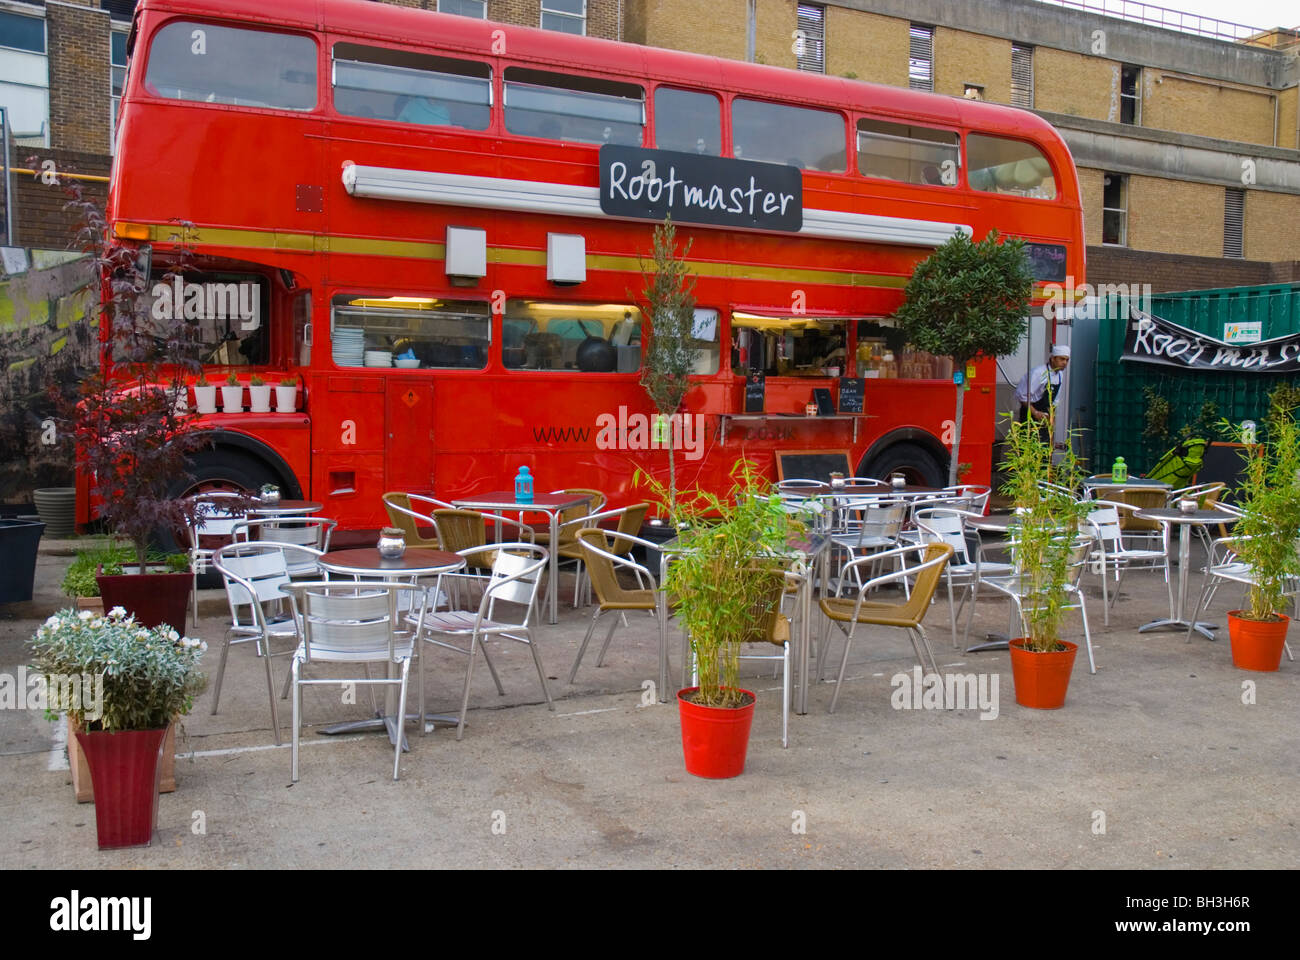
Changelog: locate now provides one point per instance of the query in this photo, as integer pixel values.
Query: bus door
(408, 445)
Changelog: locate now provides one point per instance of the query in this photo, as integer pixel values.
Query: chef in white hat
(1040, 388)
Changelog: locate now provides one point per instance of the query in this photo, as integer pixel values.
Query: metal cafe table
(286, 508)
(551, 504)
(1177, 618)
(367, 563)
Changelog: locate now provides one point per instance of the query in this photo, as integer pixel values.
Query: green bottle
(1119, 471)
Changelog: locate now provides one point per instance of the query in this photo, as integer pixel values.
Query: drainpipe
(751, 29)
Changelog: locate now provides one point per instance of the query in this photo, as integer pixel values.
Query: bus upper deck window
(687, 121)
(565, 107)
(900, 151)
(247, 68)
(411, 87)
(997, 165)
(797, 136)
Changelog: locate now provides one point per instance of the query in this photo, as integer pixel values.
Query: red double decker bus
(439, 225)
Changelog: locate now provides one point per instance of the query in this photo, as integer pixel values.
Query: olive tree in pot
(1265, 538)
(1046, 549)
(121, 685)
(965, 301)
(725, 580)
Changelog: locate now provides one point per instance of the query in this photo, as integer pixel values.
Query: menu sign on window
(724, 192)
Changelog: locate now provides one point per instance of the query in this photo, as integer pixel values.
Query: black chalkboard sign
(1046, 260)
(811, 464)
(851, 394)
(822, 397)
(1222, 462)
(755, 385)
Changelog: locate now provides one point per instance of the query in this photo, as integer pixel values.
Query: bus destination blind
(691, 188)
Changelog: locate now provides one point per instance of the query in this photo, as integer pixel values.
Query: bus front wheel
(913, 461)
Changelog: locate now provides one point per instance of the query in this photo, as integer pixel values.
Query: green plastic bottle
(1119, 471)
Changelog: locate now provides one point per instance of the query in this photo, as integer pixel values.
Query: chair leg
(419, 650)
(1105, 592)
(401, 718)
(297, 713)
(844, 665)
(464, 700)
(501, 691)
(221, 672)
(785, 696)
(925, 641)
(194, 596)
(541, 671)
(582, 650)
(609, 635)
(270, 689)
(952, 612)
(1087, 636)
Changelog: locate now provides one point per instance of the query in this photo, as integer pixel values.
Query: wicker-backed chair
(630, 520)
(413, 515)
(603, 554)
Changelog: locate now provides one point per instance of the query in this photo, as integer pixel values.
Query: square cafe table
(551, 504)
(1177, 618)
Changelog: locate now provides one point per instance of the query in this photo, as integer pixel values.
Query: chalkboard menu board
(822, 397)
(851, 394)
(811, 464)
(755, 385)
(1222, 462)
(1046, 260)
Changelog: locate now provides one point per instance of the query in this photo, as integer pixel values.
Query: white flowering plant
(149, 675)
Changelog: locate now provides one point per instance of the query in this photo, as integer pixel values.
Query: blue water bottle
(523, 486)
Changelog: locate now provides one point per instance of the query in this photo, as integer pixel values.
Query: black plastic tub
(19, 541)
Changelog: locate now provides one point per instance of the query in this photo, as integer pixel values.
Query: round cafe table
(1177, 619)
(286, 508)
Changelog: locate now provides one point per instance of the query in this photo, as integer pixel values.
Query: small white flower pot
(232, 399)
(205, 399)
(286, 399)
(259, 398)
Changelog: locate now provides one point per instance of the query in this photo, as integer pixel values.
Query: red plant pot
(1041, 679)
(124, 771)
(714, 739)
(154, 598)
(1257, 644)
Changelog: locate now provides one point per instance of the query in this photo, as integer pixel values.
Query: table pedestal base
(1204, 629)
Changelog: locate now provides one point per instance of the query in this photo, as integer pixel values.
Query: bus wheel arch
(915, 453)
(235, 461)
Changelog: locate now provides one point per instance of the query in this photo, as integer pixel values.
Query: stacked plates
(349, 346)
(378, 358)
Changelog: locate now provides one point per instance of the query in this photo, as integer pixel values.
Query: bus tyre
(215, 471)
(913, 461)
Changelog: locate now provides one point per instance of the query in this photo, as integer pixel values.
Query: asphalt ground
(1167, 758)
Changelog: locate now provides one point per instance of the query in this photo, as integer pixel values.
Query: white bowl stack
(349, 346)
(378, 358)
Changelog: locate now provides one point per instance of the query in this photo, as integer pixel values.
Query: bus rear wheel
(913, 461)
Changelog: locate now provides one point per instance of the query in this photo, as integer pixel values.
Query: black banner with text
(1150, 339)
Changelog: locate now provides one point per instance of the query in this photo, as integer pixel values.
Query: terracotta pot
(81, 785)
(154, 598)
(714, 739)
(1257, 644)
(124, 768)
(1041, 679)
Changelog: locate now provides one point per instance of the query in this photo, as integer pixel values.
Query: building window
(1022, 76)
(1130, 94)
(1114, 209)
(810, 44)
(25, 78)
(1234, 212)
(566, 16)
(118, 58)
(920, 58)
(465, 8)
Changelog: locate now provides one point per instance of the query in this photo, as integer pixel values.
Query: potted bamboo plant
(1265, 537)
(121, 685)
(1048, 515)
(725, 578)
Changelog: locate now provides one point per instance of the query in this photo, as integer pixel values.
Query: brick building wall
(40, 217)
(1071, 83)
(961, 58)
(774, 32)
(1189, 105)
(1169, 216)
(866, 44)
(80, 75)
(1167, 272)
(1090, 196)
(1271, 226)
(716, 29)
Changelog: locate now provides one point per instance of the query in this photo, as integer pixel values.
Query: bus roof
(402, 25)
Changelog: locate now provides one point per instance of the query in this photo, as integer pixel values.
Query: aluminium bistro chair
(630, 520)
(847, 613)
(948, 525)
(868, 526)
(571, 519)
(1015, 588)
(313, 532)
(978, 494)
(466, 530)
(1224, 566)
(603, 562)
(413, 512)
(772, 627)
(213, 528)
(1111, 552)
(1206, 496)
(253, 573)
(342, 622)
(507, 605)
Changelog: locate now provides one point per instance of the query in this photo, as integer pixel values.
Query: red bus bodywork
(266, 187)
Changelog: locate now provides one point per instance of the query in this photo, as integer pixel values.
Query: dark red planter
(124, 771)
(714, 739)
(154, 598)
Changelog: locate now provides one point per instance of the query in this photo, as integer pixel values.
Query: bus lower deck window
(586, 337)
(409, 332)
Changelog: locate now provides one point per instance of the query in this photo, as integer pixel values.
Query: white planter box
(205, 399)
(259, 398)
(232, 399)
(286, 399)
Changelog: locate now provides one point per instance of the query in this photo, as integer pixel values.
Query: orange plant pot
(1257, 644)
(1041, 679)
